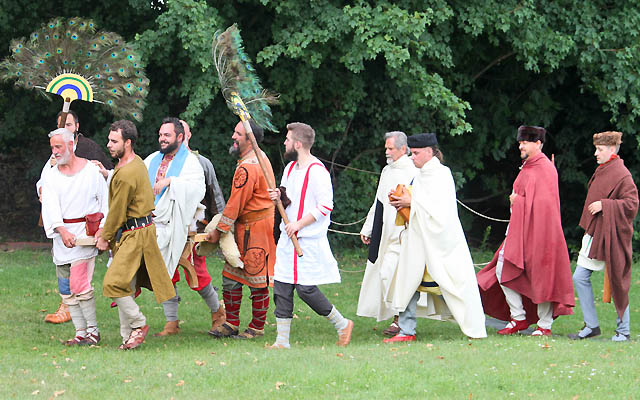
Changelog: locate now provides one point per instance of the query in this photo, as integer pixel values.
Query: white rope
(481, 215)
(344, 233)
(350, 223)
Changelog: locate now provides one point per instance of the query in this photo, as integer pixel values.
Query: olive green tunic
(137, 253)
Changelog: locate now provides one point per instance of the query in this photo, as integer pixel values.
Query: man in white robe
(382, 235)
(73, 190)
(178, 185)
(434, 257)
(308, 187)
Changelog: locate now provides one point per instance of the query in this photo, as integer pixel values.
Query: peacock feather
(237, 76)
(65, 51)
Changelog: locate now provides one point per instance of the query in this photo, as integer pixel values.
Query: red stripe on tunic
(300, 213)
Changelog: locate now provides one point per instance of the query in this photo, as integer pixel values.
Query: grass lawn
(443, 363)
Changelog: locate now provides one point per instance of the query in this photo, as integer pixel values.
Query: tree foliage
(471, 71)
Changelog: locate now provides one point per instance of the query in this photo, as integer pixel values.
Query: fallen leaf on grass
(440, 357)
(278, 384)
(58, 393)
(200, 363)
(126, 380)
(35, 392)
(576, 397)
(34, 348)
(340, 354)
(429, 344)
(66, 375)
(223, 363)
(335, 294)
(169, 375)
(43, 310)
(180, 383)
(546, 346)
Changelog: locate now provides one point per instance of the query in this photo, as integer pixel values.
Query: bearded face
(290, 155)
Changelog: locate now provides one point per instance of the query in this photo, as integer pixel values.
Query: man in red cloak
(607, 218)
(531, 267)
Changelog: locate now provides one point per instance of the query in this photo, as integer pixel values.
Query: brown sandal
(250, 333)
(224, 330)
(136, 338)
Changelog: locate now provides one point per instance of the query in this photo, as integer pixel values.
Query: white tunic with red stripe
(310, 191)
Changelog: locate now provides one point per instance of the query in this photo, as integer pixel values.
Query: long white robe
(317, 266)
(177, 209)
(377, 276)
(70, 197)
(435, 238)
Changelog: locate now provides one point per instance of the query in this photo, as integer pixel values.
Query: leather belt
(134, 223)
(74, 220)
(253, 216)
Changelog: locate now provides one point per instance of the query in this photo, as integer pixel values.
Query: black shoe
(594, 332)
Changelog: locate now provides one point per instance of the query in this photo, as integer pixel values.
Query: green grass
(443, 363)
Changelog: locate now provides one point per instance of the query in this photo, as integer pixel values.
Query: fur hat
(531, 133)
(608, 138)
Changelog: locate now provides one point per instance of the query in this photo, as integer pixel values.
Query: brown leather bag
(404, 211)
(93, 223)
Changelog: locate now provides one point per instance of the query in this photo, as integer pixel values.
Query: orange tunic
(251, 212)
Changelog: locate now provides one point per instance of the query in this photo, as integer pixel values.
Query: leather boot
(218, 318)
(60, 316)
(170, 328)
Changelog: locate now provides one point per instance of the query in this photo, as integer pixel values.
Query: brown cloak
(612, 229)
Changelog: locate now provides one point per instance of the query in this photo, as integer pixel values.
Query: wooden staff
(606, 291)
(242, 112)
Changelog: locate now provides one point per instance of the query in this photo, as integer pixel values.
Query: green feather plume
(236, 74)
(112, 67)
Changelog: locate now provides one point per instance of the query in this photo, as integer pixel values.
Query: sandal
(250, 333)
(224, 330)
(136, 338)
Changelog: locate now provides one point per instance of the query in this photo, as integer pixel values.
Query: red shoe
(514, 326)
(136, 338)
(541, 332)
(400, 338)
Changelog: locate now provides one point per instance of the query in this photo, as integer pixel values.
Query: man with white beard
(382, 235)
(74, 200)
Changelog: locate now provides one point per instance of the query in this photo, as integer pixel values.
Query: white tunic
(177, 209)
(71, 197)
(435, 239)
(375, 283)
(310, 191)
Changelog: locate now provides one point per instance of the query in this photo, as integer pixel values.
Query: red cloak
(612, 228)
(536, 259)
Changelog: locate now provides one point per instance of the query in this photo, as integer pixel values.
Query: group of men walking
(147, 212)
(419, 264)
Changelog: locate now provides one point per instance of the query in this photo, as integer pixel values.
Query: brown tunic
(131, 196)
(612, 228)
(251, 212)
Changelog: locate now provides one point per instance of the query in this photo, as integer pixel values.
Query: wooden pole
(606, 291)
(267, 175)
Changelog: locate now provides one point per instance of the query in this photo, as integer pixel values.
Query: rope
(348, 167)
(350, 223)
(481, 215)
(343, 232)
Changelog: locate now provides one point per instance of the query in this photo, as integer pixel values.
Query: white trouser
(514, 300)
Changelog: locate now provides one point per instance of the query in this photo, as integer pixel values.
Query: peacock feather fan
(236, 75)
(112, 68)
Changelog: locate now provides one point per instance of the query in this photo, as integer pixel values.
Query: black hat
(531, 133)
(422, 140)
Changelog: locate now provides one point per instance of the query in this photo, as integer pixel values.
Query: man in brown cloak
(607, 218)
